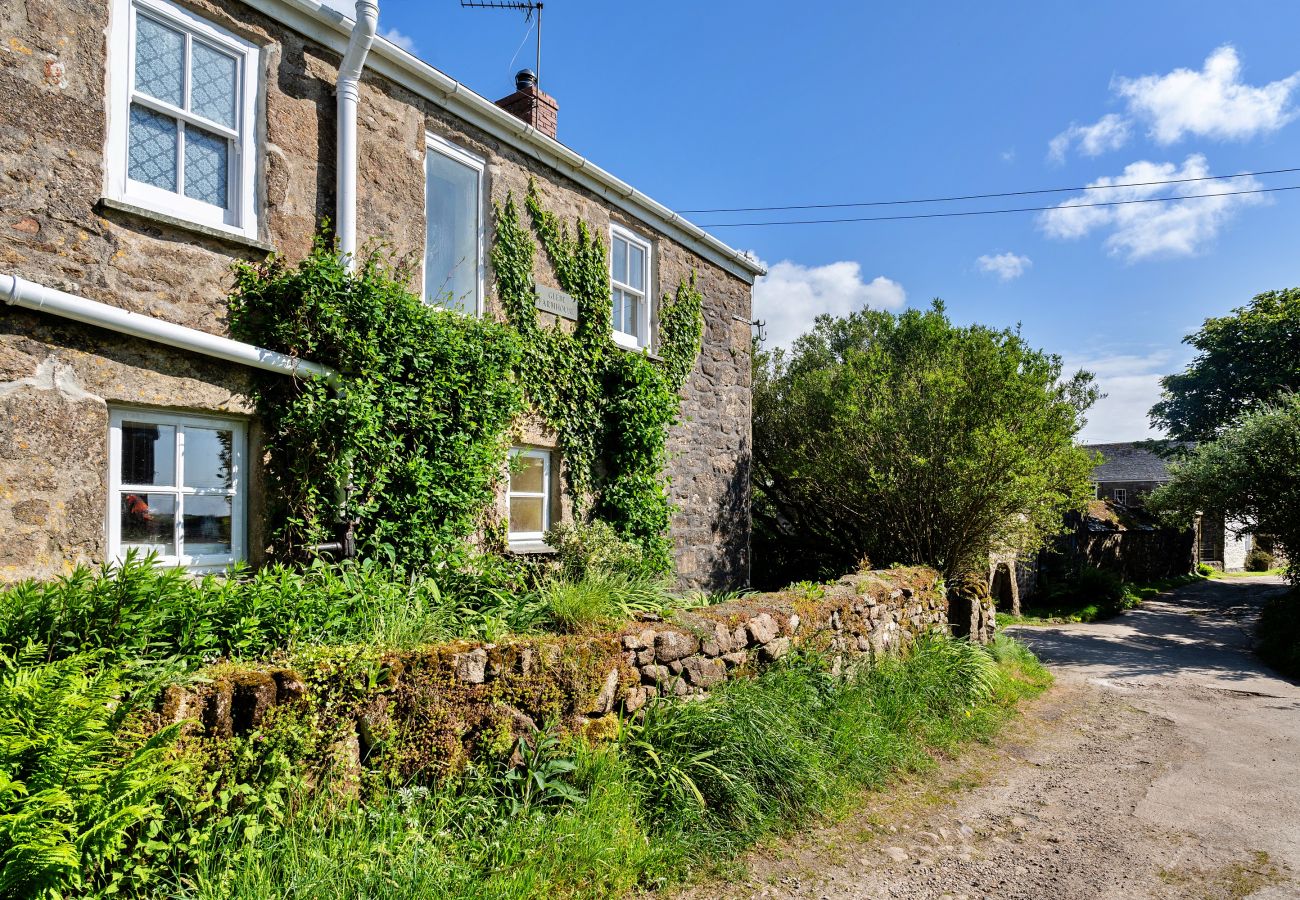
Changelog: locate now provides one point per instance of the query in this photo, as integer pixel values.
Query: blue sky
(721, 103)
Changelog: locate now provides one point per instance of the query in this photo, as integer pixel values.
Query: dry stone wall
(427, 712)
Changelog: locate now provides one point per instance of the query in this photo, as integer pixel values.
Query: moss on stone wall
(421, 715)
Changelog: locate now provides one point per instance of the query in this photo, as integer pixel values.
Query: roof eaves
(331, 28)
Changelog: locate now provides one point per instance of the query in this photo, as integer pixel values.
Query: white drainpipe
(30, 295)
(349, 96)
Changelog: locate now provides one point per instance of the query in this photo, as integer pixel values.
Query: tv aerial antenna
(528, 9)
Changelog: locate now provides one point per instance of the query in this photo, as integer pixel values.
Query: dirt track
(1164, 763)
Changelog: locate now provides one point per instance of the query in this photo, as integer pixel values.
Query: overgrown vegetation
(611, 409)
(136, 611)
(690, 784)
(417, 426)
(909, 439)
(97, 799)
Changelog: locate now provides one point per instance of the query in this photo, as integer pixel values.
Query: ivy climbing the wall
(420, 423)
(611, 409)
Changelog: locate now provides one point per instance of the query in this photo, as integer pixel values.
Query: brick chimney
(530, 104)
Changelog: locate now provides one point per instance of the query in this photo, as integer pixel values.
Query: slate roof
(1128, 462)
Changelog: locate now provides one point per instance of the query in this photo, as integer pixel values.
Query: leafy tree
(1246, 358)
(1250, 473)
(911, 440)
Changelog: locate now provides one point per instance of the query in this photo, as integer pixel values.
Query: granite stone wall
(57, 230)
(443, 705)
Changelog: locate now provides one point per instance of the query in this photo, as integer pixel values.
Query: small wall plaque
(557, 302)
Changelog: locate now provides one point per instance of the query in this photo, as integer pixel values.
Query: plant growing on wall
(419, 424)
(611, 409)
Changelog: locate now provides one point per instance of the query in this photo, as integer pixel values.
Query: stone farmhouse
(1130, 471)
(147, 144)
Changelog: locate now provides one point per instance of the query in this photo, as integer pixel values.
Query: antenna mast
(528, 8)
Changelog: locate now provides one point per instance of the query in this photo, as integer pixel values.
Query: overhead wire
(993, 212)
(961, 197)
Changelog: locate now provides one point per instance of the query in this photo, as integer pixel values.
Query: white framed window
(182, 116)
(529, 497)
(453, 236)
(176, 488)
(1121, 496)
(629, 276)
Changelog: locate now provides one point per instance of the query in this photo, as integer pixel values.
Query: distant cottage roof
(1128, 462)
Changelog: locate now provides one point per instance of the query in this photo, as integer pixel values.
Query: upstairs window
(629, 276)
(530, 495)
(453, 249)
(176, 488)
(182, 117)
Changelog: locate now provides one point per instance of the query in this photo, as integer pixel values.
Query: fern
(76, 779)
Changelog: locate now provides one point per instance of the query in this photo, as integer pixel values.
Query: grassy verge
(1077, 606)
(1218, 574)
(690, 785)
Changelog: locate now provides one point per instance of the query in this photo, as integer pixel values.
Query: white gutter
(28, 294)
(331, 29)
(348, 98)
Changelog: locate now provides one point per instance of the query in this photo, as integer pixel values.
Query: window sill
(631, 349)
(531, 548)
(141, 212)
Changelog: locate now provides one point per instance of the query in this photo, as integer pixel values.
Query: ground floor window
(176, 488)
(530, 494)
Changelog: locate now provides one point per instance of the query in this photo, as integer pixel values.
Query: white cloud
(791, 296)
(1178, 227)
(1210, 103)
(1005, 265)
(1110, 132)
(405, 41)
(1131, 383)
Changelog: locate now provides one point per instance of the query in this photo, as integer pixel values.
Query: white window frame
(1121, 496)
(237, 491)
(240, 216)
(531, 537)
(628, 341)
(436, 144)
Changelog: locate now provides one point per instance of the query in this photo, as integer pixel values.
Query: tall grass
(600, 599)
(689, 783)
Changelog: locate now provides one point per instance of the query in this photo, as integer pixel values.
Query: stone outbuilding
(146, 145)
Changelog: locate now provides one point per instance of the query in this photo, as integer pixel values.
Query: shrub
(1090, 585)
(597, 546)
(965, 433)
(1258, 560)
(1279, 634)
(1205, 569)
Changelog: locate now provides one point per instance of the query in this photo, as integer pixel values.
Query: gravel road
(1164, 763)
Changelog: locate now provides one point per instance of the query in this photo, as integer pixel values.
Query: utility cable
(1062, 190)
(993, 212)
